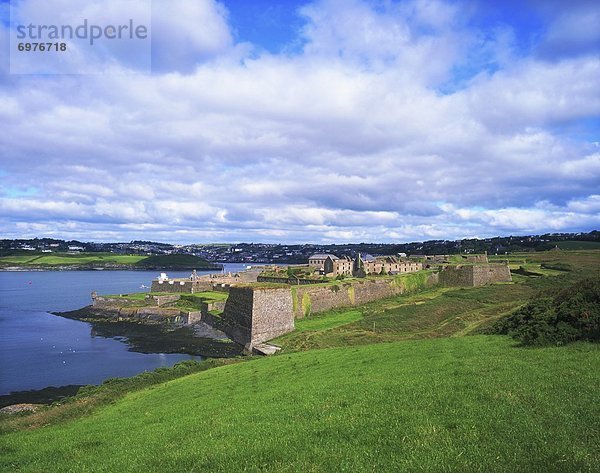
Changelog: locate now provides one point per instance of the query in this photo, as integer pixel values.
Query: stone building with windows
(362, 265)
(317, 261)
(338, 266)
(387, 265)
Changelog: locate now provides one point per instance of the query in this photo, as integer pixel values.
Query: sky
(323, 121)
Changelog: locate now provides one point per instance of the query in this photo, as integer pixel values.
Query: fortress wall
(313, 300)
(456, 276)
(273, 314)
(472, 276)
(102, 302)
(491, 273)
(236, 320)
(255, 315)
(161, 300)
(175, 287)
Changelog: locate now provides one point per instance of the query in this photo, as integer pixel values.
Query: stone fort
(255, 313)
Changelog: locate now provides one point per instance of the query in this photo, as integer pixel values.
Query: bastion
(474, 275)
(254, 314)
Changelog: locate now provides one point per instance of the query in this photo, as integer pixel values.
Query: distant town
(282, 253)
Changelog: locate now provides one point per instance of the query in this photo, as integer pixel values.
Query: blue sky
(312, 121)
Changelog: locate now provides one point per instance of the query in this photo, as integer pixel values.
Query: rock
(265, 349)
(16, 408)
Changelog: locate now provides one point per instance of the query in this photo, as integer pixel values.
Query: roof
(322, 256)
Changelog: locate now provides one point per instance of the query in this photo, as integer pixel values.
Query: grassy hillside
(578, 245)
(103, 260)
(459, 404)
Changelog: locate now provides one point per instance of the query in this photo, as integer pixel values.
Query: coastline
(108, 268)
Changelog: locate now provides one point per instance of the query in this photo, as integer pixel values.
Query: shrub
(572, 314)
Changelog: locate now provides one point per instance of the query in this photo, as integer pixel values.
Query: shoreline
(46, 396)
(104, 268)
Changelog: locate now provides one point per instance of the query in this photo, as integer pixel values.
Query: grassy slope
(579, 245)
(436, 312)
(100, 259)
(457, 404)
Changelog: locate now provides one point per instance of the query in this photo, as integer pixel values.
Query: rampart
(290, 281)
(181, 286)
(203, 283)
(257, 313)
(474, 275)
(254, 315)
(314, 299)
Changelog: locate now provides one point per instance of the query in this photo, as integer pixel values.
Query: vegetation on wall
(306, 304)
(411, 282)
(351, 294)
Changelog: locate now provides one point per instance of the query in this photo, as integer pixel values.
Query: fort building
(200, 283)
(317, 261)
(252, 314)
(364, 265)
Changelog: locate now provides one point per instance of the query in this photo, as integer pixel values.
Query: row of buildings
(331, 265)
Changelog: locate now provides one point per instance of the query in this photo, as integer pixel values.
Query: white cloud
(350, 139)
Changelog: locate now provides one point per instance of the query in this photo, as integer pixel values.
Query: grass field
(457, 404)
(435, 312)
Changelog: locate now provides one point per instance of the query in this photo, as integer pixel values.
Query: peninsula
(75, 260)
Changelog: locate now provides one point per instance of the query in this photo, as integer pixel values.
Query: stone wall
(103, 302)
(313, 300)
(474, 275)
(162, 300)
(253, 315)
(236, 320)
(273, 314)
(475, 258)
(177, 286)
(491, 273)
(290, 281)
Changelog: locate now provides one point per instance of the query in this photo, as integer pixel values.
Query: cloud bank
(391, 121)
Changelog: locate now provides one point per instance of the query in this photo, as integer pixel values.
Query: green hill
(578, 245)
(174, 261)
(457, 404)
(104, 260)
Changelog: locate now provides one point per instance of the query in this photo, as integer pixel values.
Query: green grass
(432, 313)
(457, 404)
(103, 259)
(210, 296)
(328, 320)
(579, 245)
(18, 259)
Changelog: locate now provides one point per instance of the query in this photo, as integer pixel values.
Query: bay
(38, 349)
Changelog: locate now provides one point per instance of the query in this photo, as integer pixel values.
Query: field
(579, 245)
(101, 260)
(408, 383)
(455, 404)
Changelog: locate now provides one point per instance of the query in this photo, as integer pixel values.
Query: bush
(572, 314)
